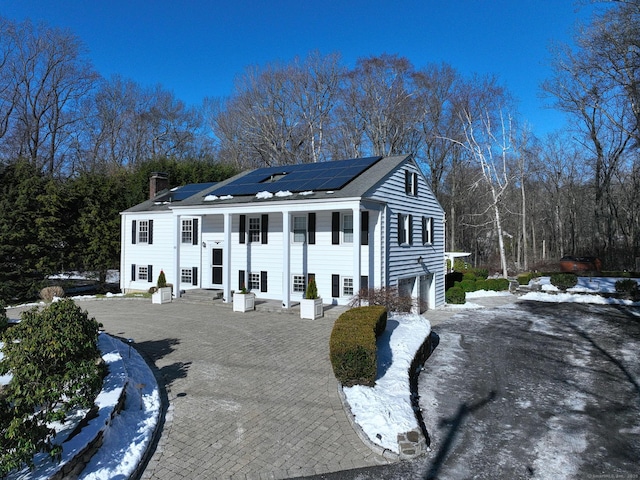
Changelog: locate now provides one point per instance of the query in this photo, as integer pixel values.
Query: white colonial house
(350, 224)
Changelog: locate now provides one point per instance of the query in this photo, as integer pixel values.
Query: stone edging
(414, 443)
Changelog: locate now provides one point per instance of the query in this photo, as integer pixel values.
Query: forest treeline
(73, 143)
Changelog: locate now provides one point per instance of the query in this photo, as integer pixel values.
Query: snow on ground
(585, 291)
(385, 410)
(130, 433)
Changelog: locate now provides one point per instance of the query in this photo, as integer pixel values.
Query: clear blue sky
(196, 48)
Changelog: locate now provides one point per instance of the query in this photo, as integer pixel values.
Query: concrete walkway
(251, 395)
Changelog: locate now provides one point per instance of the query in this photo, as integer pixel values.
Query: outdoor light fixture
(420, 259)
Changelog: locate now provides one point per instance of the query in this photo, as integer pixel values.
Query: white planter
(163, 295)
(311, 308)
(243, 302)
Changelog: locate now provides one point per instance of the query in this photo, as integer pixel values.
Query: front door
(216, 267)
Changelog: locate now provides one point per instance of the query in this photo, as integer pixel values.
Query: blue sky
(196, 47)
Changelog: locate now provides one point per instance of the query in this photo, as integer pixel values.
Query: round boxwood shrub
(497, 284)
(469, 276)
(466, 285)
(455, 295)
(564, 280)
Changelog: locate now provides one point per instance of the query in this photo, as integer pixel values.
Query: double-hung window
(299, 229)
(347, 286)
(254, 281)
(254, 229)
(427, 230)
(405, 229)
(143, 272)
(410, 183)
(347, 228)
(143, 231)
(187, 231)
(298, 284)
(186, 275)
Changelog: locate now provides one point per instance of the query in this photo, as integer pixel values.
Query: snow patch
(264, 195)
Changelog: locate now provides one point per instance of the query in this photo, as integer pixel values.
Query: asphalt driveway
(529, 390)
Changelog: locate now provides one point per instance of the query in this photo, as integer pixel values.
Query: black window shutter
(263, 281)
(133, 272)
(400, 230)
(243, 229)
(431, 222)
(150, 273)
(335, 285)
(407, 181)
(364, 228)
(194, 276)
(364, 282)
(134, 232)
(335, 228)
(410, 239)
(195, 232)
(150, 232)
(311, 228)
(424, 230)
(241, 283)
(264, 226)
(415, 183)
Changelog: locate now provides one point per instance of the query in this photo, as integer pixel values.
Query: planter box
(243, 302)
(163, 295)
(311, 308)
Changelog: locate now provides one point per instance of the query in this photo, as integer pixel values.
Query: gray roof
(357, 187)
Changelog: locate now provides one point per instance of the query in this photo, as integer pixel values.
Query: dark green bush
(497, 284)
(352, 346)
(455, 295)
(469, 276)
(4, 321)
(482, 273)
(481, 284)
(525, 278)
(55, 362)
(628, 288)
(466, 285)
(564, 280)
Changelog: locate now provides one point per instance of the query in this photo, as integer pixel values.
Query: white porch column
(226, 260)
(286, 263)
(178, 240)
(357, 257)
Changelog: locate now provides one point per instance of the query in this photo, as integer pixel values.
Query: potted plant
(243, 300)
(163, 292)
(311, 306)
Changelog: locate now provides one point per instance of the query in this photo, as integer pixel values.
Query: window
(186, 275)
(347, 228)
(405, 229)
(427, 230)
(187, 231)
(254, 281)
(347, 286)
(410, 183)
(254, 229)
(143, 231)
(299, 229)
(298, 284)
(143, 272)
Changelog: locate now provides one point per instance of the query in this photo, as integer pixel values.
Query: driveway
(529, 390)
(251, 395)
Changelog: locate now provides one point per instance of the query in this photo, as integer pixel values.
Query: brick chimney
(157, 182)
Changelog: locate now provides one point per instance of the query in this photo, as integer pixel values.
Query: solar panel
(184, 192)
(298, 178)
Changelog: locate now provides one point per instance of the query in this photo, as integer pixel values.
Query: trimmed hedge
(564, 280)
(352, 347)
(456, 296)
(628, 288)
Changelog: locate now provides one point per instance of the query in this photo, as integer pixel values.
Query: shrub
(482, 273)
(525, 278)
(481, 284)
(466, 285)
(352, 346)
(469, 276)
(55, 362)
(162, 280)
(628, 288)
(456, 296)
(497, 284)
(387, 297)
(49, 293)
(564, 280)
(312, 290)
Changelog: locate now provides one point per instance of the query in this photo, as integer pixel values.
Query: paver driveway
(252, 395)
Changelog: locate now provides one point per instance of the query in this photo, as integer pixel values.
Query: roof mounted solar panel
(297, 178)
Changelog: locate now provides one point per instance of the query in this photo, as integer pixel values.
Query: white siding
(155, 254)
